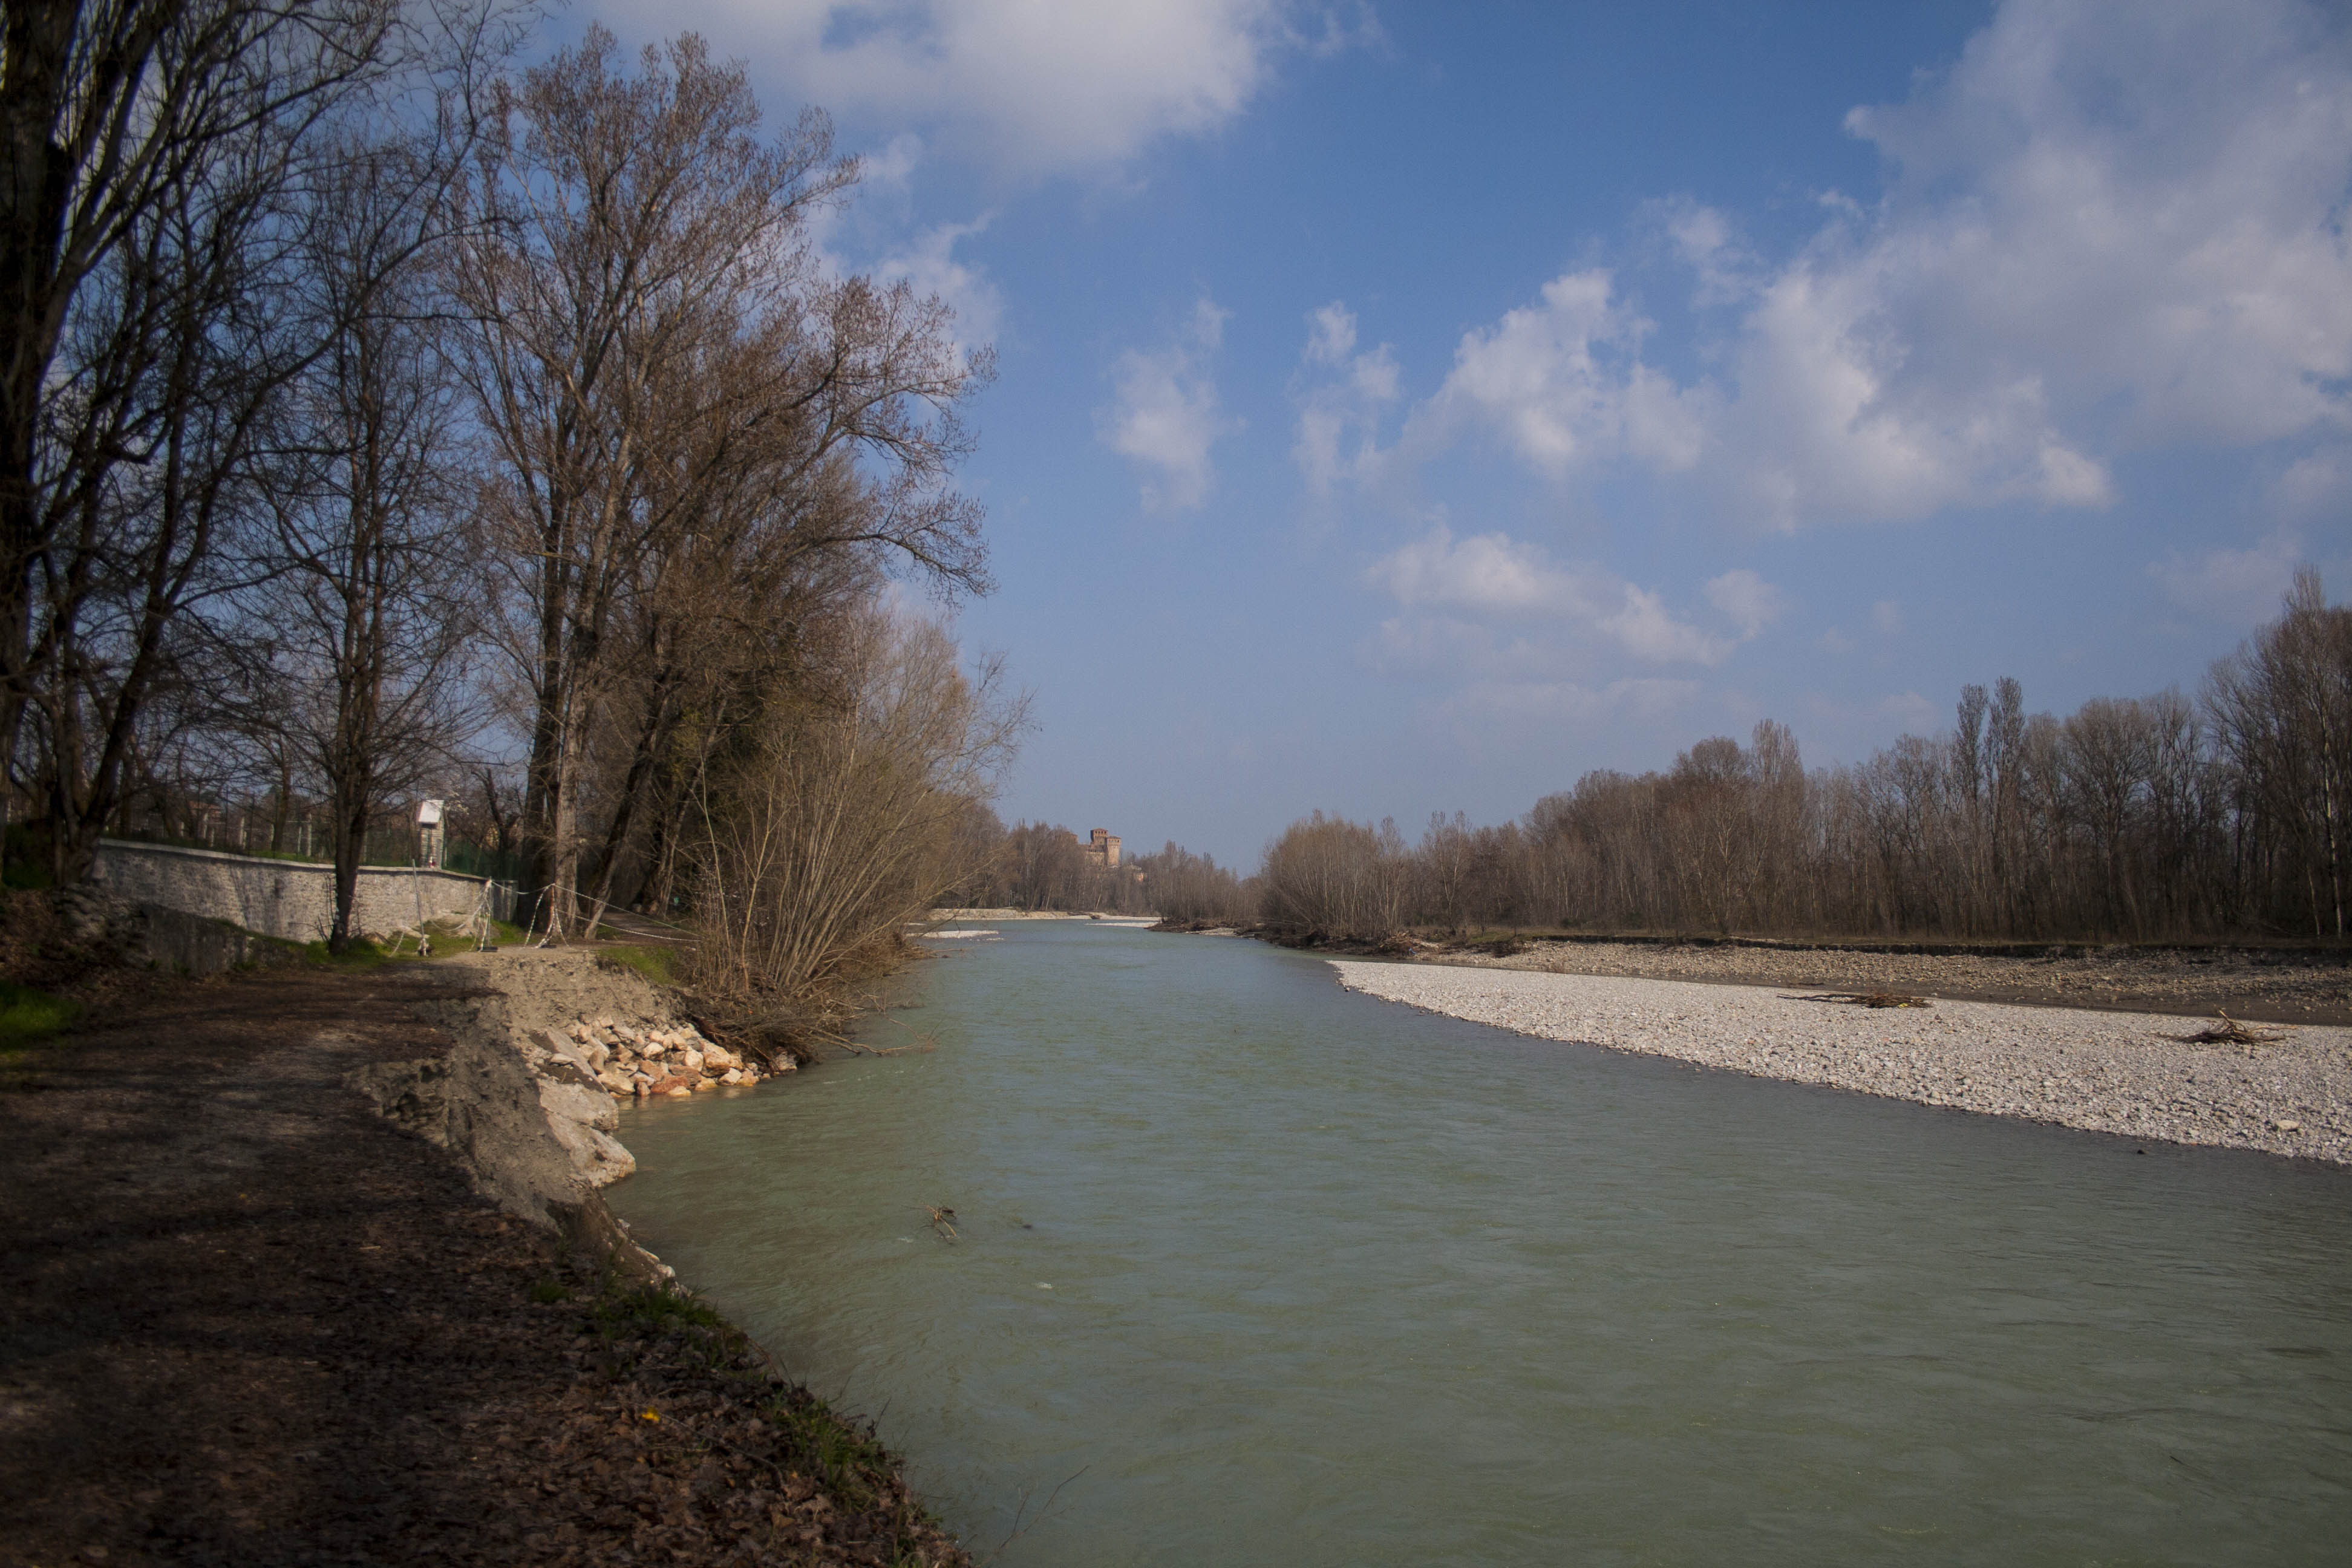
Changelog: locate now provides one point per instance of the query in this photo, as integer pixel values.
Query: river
(1258, 1271)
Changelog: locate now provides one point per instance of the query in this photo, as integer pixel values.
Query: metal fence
(304, 834)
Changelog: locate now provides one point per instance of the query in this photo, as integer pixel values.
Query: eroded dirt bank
(252, 1322)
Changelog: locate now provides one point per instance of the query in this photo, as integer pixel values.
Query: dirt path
(250, 1323)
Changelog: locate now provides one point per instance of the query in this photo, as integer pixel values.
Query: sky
(1404, 408)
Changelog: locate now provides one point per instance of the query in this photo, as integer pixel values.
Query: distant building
(1101, 850)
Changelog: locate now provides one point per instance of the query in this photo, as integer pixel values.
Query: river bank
(2130, 1074)
(304, 1268)
(2279, 985)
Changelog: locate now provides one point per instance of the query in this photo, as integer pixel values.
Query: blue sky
(1406, 408)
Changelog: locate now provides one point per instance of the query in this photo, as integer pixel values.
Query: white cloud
(1038, 85)
(1338, 415)
(1485, 574)
(928, 264)
(1490, 578)
(1561, 383)
(1746, 600)
(870, 235)
(2151, 207)
(1330, 334)
(891, 170)
(2318, 482)
(1645, 629)
(2113, 226)
(1886, 618)
(1165, 414)
(1703, 239)
(2241, 587)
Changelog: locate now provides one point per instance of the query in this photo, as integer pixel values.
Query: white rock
(690, 1061)
(569, 1049)
(595, 1154)
(578, 1102)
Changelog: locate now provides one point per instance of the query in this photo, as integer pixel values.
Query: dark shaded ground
(250, 1323)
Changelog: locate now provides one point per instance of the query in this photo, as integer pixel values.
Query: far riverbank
(2277, 984)
(2283, 985)
(2136, 1075)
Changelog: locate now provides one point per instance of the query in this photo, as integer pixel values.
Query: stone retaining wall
(290, 899)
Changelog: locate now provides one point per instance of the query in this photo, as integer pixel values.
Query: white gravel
(2106, 1072)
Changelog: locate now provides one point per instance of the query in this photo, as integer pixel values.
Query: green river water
(1283, 1275)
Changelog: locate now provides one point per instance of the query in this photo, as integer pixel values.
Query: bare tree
(650, 347)
(152, 207)
(832, 824)
(2282, 708)
(366, 615)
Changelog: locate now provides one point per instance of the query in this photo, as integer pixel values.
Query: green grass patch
(361, 954)
(656, 963)
(505, 935)
(651, 1310)
(27, 1016)
(847, 1458)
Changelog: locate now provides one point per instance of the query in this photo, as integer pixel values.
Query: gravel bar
(2126, 1073)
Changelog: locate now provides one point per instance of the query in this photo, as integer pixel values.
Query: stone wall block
(293, 901)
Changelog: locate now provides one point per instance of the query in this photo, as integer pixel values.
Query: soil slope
(250, 1322)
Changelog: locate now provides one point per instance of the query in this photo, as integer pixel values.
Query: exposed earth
(251, 1322)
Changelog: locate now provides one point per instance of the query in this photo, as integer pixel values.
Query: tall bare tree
(2282, 705)
(158, 157)
(365, 618)
(650, 342)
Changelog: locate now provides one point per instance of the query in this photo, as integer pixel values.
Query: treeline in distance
(2135, 819)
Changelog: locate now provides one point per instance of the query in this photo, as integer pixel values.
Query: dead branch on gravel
(2227, 1031)
(1869, 999)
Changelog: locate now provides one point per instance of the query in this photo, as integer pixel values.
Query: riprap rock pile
(634, 1062)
